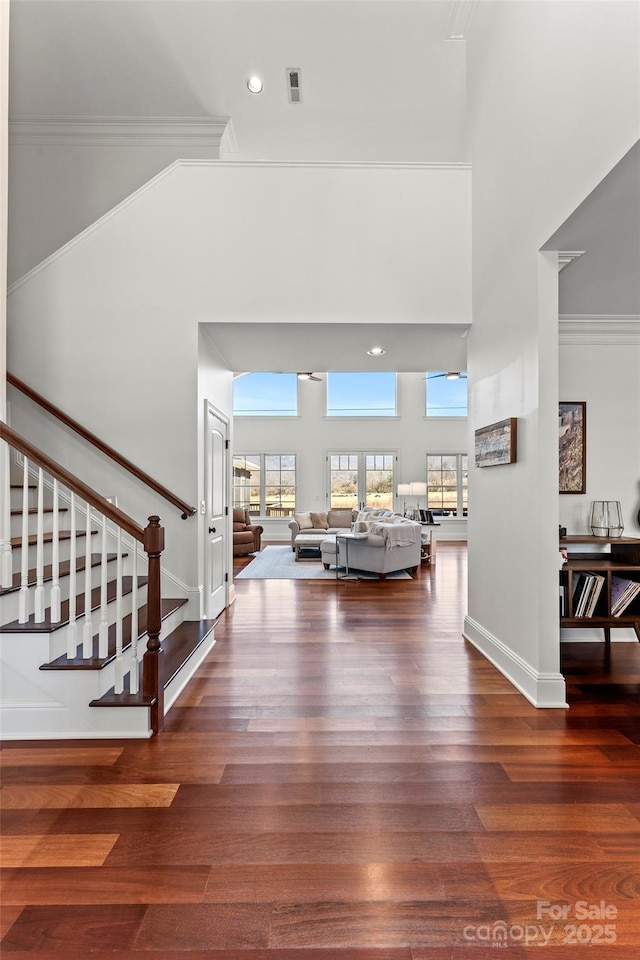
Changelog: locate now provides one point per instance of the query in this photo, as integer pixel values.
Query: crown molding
(119, 131)
(599, 329)
(565, 257)
(459, 19)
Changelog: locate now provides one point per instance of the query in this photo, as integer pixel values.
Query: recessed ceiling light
(375, 352)
(255, 84)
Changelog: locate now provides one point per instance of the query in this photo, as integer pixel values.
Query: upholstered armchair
(247, 536)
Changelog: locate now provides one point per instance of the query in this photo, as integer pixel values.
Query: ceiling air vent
(294, 85)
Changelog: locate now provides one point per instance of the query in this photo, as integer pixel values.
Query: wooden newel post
(152, 665)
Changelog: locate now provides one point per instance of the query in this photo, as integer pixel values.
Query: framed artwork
(497, 443)
(572, 446)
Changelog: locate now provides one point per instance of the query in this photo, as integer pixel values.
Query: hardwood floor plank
(103, 885)
(43, 928)
(589, 817)
(108, 795)
(15, 756)
(345, 778)
(81, 850)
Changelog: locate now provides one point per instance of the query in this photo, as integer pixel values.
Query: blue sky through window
(265, 395)
(446, 398)
(361, 394)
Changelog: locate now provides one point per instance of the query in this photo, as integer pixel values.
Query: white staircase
(75, 622)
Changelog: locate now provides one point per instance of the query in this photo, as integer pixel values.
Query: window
(361, 395)
(265, 484)
(265, 395)
(445, 397)
(361, 478)
(447, 484)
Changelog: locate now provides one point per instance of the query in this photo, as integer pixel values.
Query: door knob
(212, 529)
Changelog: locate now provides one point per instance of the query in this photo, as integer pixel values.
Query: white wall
(4, 173)
(554, 104)
(115, 313)
(312, 435)
(58, 187)
(607, 376)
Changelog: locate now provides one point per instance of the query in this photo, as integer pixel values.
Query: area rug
(279, 563)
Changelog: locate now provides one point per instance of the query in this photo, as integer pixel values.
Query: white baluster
(119, 676)
(6, 568)
(72, 629)
(55, 559)
(39, 593)
(23, 600)
(103, 630)
(134, 672)
(87, 630)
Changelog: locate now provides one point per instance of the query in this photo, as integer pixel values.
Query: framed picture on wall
(572, 446)
(497, 443)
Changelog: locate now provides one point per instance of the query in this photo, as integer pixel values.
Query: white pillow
(303, 520)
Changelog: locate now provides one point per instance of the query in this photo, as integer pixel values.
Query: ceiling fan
(451, 375)
(309, 376)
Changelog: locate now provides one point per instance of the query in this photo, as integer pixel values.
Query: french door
(361, 479)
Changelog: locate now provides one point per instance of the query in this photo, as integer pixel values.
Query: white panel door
(215, 513)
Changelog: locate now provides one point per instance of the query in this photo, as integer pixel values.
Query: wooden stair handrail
(186, 509)
(96, 500)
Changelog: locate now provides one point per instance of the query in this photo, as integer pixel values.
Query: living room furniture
(322, 523)
(622, 560)
(429, 541)
(372, 554)
(247, 536)
(307, 546)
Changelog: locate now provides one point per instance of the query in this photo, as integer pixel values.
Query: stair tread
(48, 627)
(17, 511)
(65, 568)
(48, 537)
(182, 643)
(178, 647)
(95, 662)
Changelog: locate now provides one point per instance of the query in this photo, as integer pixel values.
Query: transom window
(265, 395)
(265, 484)
(447, 475)
(361, 395)
(446, 394)
(361, 479)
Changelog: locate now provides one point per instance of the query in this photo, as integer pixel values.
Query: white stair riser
(10, 602)
(47, 550)
(47, 523)
(16, 496)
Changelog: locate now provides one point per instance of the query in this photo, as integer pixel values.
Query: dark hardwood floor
(344, 779)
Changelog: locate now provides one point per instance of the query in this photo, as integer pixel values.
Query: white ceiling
(313, 347)
(605, 280)
(379, 80)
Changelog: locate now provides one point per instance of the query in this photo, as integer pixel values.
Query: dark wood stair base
(95, 662)
(178, 648)
(48, 627)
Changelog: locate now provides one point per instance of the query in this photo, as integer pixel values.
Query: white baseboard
(541, 689)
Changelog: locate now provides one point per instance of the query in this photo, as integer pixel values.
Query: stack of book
(588, 588)
(623, 591)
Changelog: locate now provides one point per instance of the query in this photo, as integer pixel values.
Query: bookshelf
(620, 562)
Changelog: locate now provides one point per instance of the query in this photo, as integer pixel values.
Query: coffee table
(307, 546)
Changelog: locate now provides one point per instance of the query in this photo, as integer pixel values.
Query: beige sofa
(319, 525)
(391, 542)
